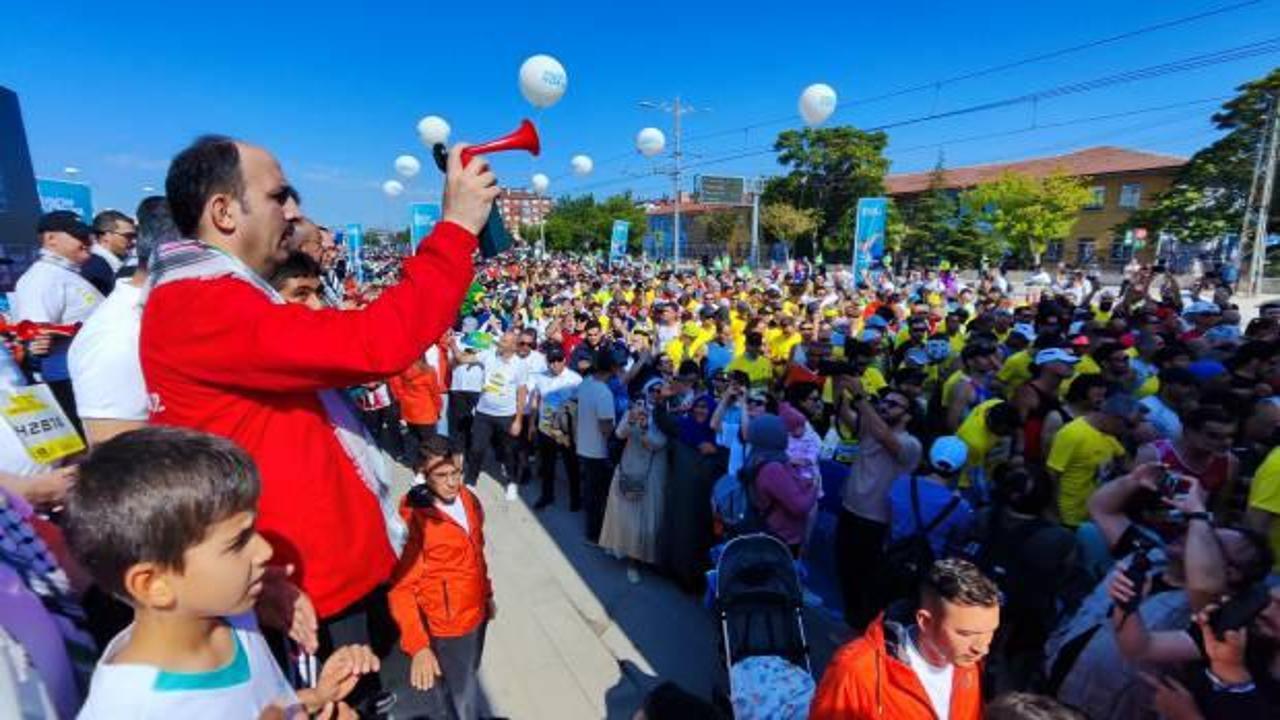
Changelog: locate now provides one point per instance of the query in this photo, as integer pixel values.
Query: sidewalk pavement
(573, 638)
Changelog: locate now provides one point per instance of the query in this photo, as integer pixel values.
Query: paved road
(568, 621)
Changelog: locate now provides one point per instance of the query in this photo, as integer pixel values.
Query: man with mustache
(223, 353)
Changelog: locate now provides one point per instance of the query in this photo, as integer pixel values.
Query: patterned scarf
(195, 260)
(23, 550)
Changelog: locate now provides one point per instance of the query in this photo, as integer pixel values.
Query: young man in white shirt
(498, 420)
(106, 373)
(53, 291)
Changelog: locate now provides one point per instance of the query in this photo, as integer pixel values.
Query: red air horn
(524, 137)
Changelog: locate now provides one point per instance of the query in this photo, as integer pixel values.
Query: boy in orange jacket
(925, 669)
(442, 578)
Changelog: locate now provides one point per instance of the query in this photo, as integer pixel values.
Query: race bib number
(41, 426)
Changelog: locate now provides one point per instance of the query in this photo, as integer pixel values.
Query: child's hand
(283, 606)
(424, 670)
(342, 671)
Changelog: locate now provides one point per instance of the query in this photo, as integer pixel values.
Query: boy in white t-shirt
(164, 519)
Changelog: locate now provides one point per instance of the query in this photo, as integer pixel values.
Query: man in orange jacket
(929, 669)
(441, 597)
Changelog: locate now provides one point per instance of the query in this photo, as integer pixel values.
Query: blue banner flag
(423, 216)
(354, 237)
(868, 236)
(63, 195)
(618, 241)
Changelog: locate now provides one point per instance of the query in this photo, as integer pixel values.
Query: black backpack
(907, 561)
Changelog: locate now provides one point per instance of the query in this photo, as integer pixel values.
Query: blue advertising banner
(63, 195)
(354, 239)
(618, 241)
(868, 236)
(423, 216)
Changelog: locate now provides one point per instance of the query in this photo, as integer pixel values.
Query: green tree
(786, 223)
(580, 224)
(829, 169)
(1209, 193)
(721, 228)
(929, 219)
(1026, 212)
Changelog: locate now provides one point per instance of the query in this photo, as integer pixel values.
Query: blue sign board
(618, 241)
(661, 236)
(868, 236)
(423, 217)
(63, 195)
(354, 238)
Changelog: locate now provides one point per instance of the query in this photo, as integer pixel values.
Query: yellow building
(1122, 181)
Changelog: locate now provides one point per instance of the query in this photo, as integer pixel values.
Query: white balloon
(433, 130)
(817, 102)
(392, 188)
(650, 141)
(543, 81)
(540, 183)
(582, 165)
(407, 166)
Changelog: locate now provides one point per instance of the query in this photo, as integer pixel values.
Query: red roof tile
(1090, 162)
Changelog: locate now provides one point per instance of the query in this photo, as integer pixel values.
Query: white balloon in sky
(650, 141)
(582, 165)
(407, 166)
(543, 81)
(817, 102)
(540, 183)
(433, 130)
(392, 188)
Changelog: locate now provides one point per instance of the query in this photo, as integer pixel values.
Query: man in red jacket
(926, 669)
(221, 352)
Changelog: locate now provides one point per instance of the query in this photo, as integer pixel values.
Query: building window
(1053, 251)
(1131, 195)
(1099, 198)
(1084, 251)
(1120, 253)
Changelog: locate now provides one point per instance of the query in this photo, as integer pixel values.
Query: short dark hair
(155, 227)
(435, 448)
(208, 166)
(1003, 418)
(1081, 385)
(1205, 414)
(959, 582)
(106, 220)
(149, 495)
(297, 265)
(1025, 706)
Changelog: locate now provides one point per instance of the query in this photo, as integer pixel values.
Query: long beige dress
(631, 525)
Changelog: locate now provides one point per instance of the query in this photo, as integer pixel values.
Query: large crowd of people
(1047, 499)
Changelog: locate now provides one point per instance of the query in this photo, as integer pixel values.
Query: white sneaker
(633, 575)
(513, 492)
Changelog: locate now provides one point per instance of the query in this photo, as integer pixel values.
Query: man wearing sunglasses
(114, 235)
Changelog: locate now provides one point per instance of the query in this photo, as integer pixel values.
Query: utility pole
(676, 108)
(1269, 152)
(755, 224)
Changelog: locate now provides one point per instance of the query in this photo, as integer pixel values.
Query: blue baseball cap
(948, 454)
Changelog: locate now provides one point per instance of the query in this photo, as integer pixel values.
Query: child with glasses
(441, 597)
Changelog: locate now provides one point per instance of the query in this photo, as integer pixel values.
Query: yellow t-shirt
(760, 370)
(1079, 455)
(780, 347)
(1086, 366)
(872, 382)
(975, 434)
(1264, 494)
(1015, 371)
(676, 351)
(949, 387)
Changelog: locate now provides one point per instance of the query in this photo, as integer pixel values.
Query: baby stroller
(758, 602)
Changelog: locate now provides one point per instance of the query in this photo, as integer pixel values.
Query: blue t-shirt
(718, 357)
(933, 498)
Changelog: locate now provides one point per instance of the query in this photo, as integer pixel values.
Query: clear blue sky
(335, 90)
